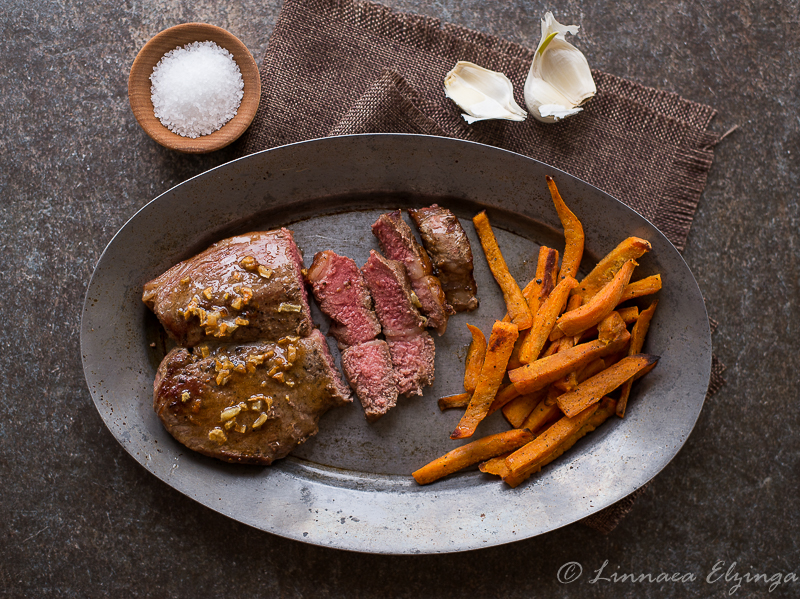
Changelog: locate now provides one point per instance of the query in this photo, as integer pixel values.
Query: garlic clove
(482, 94)
(559, 80)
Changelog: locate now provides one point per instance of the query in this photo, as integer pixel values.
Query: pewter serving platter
(350, 486)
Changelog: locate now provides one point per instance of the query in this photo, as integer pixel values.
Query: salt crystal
(196, 89)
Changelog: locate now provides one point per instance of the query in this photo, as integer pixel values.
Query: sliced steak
(398, 243)
(342, 294)
(370, 371)
(449, 249)
(391, 290)
(240, 289)
(413, 359)
(250, 403)
(412, 349)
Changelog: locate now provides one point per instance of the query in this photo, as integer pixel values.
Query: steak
(341, 291)
(449, 249)
(248, 403)
(245, 288)
(413, 359)
(398, 243)
(391, 290)
(412, 349)
(370, 371)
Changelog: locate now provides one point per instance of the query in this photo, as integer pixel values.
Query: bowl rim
(139, 95)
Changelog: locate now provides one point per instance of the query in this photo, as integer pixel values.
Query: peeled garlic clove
(559, 80)
(482, 94)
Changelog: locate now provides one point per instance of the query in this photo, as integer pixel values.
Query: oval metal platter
(350, 486)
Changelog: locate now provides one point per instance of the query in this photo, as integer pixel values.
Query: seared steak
(369, 369)
(449, 249)
(250, 403)
(398, 243)
(341, 291)
(240, 289)
(342, 294)
(412, 349)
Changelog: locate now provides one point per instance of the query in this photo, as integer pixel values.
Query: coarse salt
(196, 89)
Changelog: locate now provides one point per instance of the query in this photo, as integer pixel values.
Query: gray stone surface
(80, 518)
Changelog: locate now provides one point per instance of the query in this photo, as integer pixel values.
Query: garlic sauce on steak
(258, 375)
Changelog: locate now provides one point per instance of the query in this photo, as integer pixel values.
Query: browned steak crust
(250, 403)
(451, 254)
(240, 289)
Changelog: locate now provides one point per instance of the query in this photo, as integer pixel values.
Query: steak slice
(413, 359)
(240, 289)
(342, 294)
(391, 290)
(398, 243)
(250, 403)
(412, 349)
(449, 249)
(369, 369)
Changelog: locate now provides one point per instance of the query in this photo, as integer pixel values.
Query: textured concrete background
(80, 518)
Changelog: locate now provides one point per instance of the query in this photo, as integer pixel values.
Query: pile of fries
(563, 347)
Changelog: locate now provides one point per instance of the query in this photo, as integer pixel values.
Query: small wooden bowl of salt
(194, 88)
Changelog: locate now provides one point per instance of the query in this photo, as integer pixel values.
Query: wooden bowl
(139, 87)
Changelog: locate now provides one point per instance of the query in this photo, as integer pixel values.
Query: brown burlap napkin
(351, 66)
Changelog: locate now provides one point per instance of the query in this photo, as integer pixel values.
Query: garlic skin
(482, 94)
(559, 80)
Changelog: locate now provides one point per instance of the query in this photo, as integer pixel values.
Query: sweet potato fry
(611, 327)
(471, 453)
(501, 342)
(536, 292)
(629, 314)
(647, 286)
(546, 278)
(546, 269)
(591, 369)
(630, 249)
(518, 409)
(475, 356)
(517, 307)
(504, 395)
(497, 465)
(513, 359)
(592, 390)
(544, 371)
(545, 444)
(568, 382)
(573, 233)
(564, 343)
(554, 348)
(597, 308)
(601, 415)
(544, 413)
(460, 400)
(545, 320)
(637, 342)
